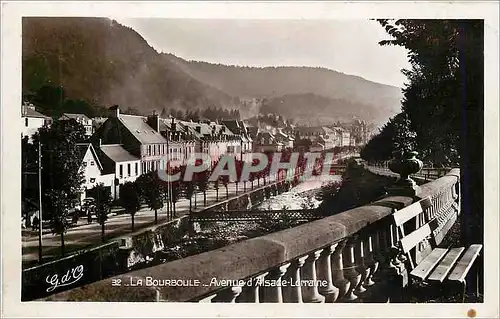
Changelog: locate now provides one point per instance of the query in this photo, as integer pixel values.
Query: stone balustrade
(348, 257)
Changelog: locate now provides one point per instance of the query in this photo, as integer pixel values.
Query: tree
(62, 176)
(59, 204)
(224, 179)
(130, 199)
(201, 180)
(395, 137)
(102, 195)
(152, 192)
(175, 193)
(444, 101)
(239, 170)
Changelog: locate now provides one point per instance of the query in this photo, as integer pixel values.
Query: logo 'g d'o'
(70, 277)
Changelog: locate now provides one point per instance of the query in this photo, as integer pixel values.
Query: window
(121, 170)
(136, 169)
(128, 169)
(163, 149)
(92, 180)
(92, 163)
(84, 164)
(149, 149)
(26, 122)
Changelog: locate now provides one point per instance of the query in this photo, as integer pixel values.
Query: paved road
(84, 235)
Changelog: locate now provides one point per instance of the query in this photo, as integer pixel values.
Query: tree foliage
(443, 99)
(130, 199)
(152, 191)
(102, 195)
(438, 93)
(62, 176)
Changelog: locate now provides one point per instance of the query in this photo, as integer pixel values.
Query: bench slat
(411, 240)
(426, 265)
(444, 267)
(465, 263)
(405, 214)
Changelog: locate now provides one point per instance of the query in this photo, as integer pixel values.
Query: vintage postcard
(254, 159)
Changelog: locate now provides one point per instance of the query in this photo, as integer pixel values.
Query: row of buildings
(121, 147)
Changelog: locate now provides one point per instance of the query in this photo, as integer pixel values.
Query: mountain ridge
(100, 60)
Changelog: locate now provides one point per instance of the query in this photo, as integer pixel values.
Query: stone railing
(425, 174)
(343, 258)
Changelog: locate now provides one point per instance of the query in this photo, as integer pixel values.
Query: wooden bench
(417, 240)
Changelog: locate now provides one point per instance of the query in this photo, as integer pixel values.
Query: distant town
(121, 147)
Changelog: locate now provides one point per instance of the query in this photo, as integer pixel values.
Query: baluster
(293, 292)
(371, 260)
(360, 263)
(250, 294)
(330, 292)
(228, 295)
(310, 292)
(349, 269)
(338, 271)
(207, 299)
(394, 235)
(274, 293)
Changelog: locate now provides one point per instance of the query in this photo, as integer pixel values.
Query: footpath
(84, 235)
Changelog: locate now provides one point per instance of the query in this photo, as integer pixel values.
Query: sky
(347, 46)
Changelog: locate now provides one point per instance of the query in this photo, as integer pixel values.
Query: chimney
(173, 126)
(114, 111)
(154, 121)
(198, 128)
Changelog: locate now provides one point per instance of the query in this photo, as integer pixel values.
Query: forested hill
(278, 81)
(99, 60)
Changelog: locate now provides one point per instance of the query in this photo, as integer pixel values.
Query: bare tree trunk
(102, 231)
(62, 244)
(133, 220)
(217, 193)
(204, 198)
(227, 192)
(156, 216)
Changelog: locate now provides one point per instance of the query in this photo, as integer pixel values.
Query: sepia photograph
(201, 159)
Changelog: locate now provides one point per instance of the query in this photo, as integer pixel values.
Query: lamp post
(40, 230)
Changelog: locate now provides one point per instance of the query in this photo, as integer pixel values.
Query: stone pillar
(274, 293)
(349, 269)
(371, 258)
(310, 292)
(207, 299)
(227, 295)
(330, 292)
(250, 293)
(338, 271)
(292, 293)
(360, 263)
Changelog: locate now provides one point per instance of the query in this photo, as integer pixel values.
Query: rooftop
(144, 133)
(31, 112)
(75, 116)
(117, 153)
